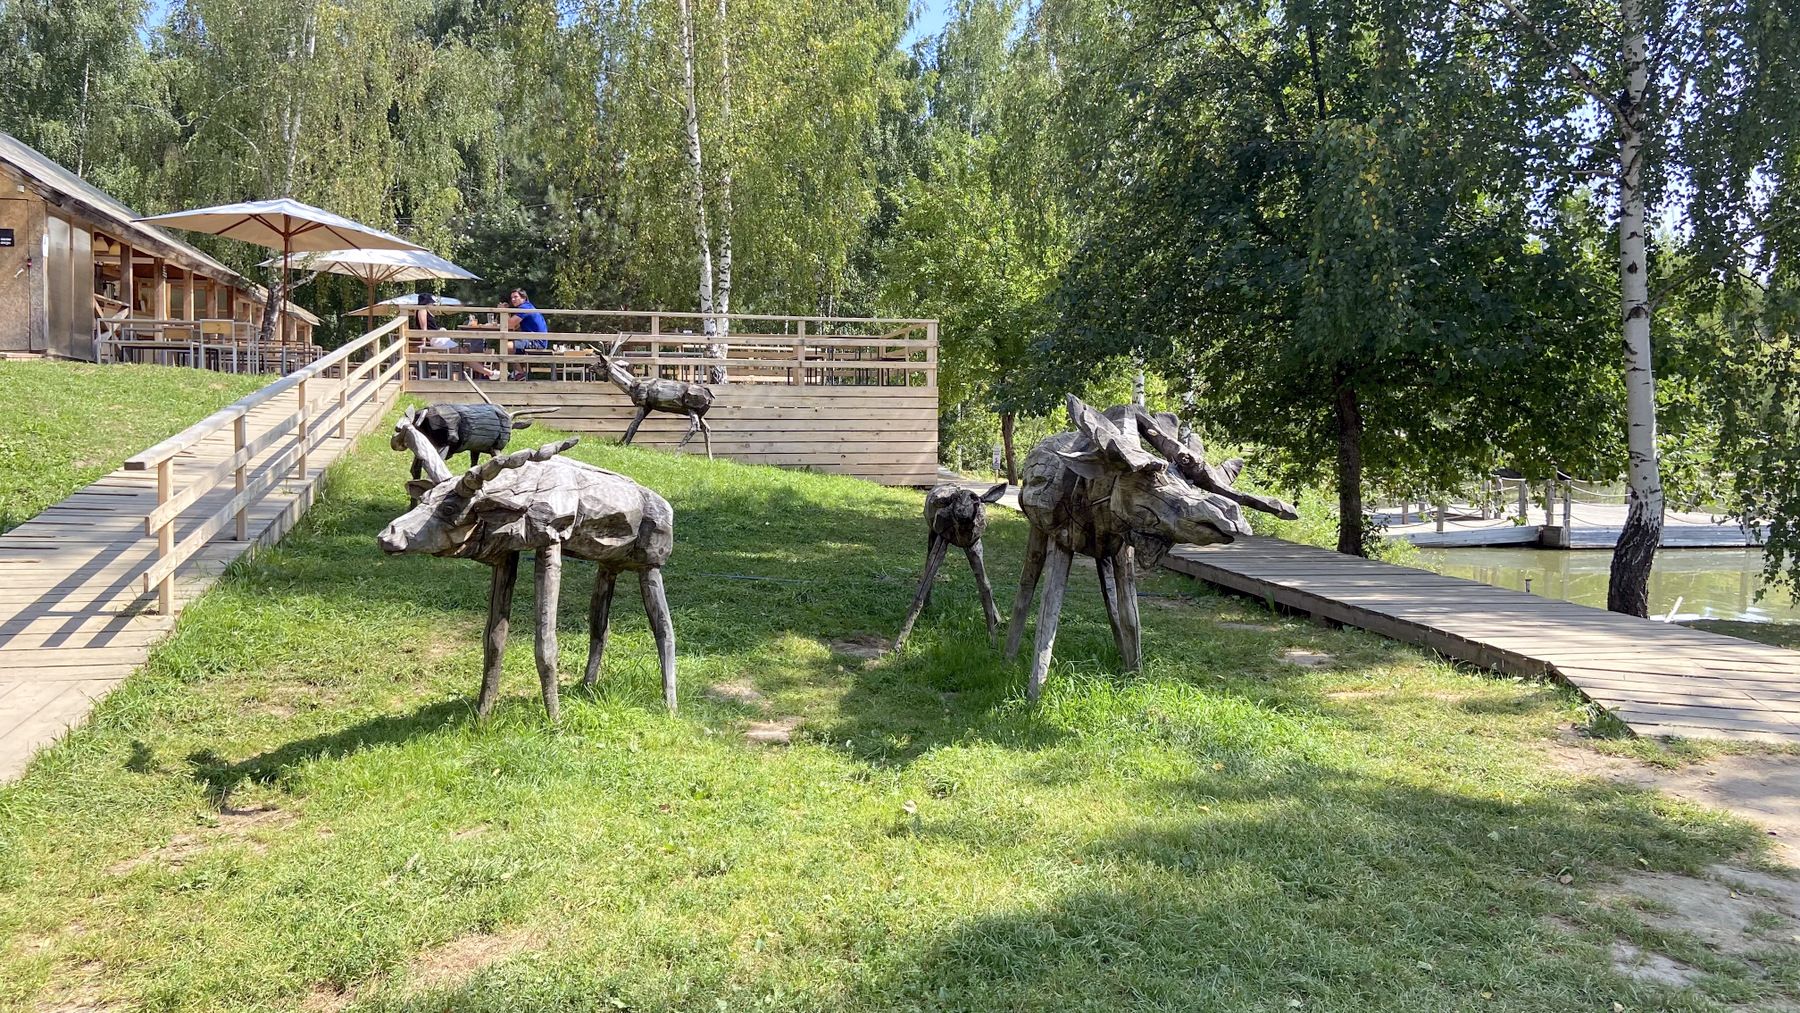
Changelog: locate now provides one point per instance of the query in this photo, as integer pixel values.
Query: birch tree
(1682, 97)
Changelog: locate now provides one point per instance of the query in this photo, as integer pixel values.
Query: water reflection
(1711, 583)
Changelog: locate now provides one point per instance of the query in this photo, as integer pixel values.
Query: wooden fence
(225, 346)
(266, 444)
(855, 396)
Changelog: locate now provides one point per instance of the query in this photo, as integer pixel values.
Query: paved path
(1661, 678)
(74, 618)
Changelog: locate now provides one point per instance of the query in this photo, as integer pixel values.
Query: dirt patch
(327, 999)
(1763, 789)
(469, 833)
(779, 732)
(79, 992)
(1257, 627)
(865, 646)
(1363, 693)
(232, 823)
(458, 960)
(736, 692)
(1722, 910)
(1650, 966)
(1307, 658)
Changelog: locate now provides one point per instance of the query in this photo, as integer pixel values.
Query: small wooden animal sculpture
(672, 396)
(484, 428)
(533, 500)
(1096, 492)
(955, 516)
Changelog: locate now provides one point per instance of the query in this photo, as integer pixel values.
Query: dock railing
(758, 348)
(327, 393)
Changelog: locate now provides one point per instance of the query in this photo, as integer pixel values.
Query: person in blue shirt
(527, 323)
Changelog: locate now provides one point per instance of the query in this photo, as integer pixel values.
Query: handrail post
(305, 431)
(165, 537)
(343, 378)
(800, 356)
(240, 430)
(406, 357)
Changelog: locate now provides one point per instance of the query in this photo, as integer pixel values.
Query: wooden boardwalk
(75, 616)
(1660, 678)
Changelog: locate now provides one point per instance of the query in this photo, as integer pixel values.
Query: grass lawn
(291, 808)
(68, 423)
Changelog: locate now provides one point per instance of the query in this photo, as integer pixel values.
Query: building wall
(23, 322)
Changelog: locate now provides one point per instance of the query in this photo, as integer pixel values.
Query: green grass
(1223, 831)
(68, 423)
(1778, 634)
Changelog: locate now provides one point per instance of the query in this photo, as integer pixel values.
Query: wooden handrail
(220, 419)
(310, 427)
(660, 314)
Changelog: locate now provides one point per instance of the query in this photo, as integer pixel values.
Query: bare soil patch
(864, 646)
(1764, 789)
(1651, 966)
(233, 824)
(1258, 627)
(736, 692)
(458, 960)
(1306, 658)
(779, 732)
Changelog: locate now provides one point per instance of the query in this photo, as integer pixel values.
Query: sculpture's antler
(408, 437)
(1183, 450)
(476, 477)
(1111, 443)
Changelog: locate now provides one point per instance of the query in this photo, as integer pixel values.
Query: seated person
(527, 323)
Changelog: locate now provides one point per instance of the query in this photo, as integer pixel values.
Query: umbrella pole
(287, 242)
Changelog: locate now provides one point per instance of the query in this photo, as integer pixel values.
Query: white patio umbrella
(283, 224)
(378, 267)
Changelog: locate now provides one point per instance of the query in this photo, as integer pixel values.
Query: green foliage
(1378, 834)
(69, 423)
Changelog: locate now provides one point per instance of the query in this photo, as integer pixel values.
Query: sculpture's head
(444, 519)
(959, 514)
(1148, 497)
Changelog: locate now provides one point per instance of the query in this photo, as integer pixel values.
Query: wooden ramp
(79, 583)
(1660, 678)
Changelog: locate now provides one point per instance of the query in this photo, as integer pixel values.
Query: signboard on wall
(6, 237)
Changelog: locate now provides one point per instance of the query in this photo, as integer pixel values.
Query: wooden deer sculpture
(534, 500)
(1096, 492)
(955, 516)
(672, 396)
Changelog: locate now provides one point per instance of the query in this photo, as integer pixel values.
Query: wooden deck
(1660, 678)
(75, 617)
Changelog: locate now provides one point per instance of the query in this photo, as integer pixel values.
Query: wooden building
(80, 278)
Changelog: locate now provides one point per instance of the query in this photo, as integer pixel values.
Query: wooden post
(406, 356)
(1549, 502)
(1442, 509)
(305, 432)
(159, 291)
(1524, 501)
(240, 430)
(931, 353)
(1568, 497)
(127, 280)
(800, 355)
(165, 537)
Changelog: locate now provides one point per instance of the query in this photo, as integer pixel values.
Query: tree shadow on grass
(1307, 887)
(221, 777)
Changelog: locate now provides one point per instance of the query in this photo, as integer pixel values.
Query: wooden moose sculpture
(484, 428)
(954, 516)
(534, 500)
(1096, 492)
(672, 396)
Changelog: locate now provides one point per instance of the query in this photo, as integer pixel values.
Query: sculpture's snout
(391, 540)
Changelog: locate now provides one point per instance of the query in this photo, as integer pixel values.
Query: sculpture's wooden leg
(1049, 611)
(1035, 548)
(493, 646)
(631, 430)
(656, 606)
(934, 557)
(549, 589)
(706, 434)
(418, 468)
(988, 608)
(1109, 590)
(1125, 569)
(693, 427)
(599, 620)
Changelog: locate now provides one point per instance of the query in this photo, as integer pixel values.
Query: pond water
(1711, 583)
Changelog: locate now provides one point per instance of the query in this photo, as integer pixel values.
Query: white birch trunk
(1629, 588)
(726, 138)
(692, 124)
